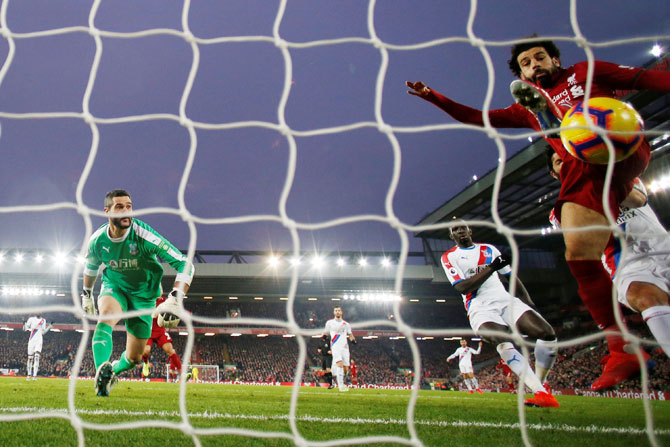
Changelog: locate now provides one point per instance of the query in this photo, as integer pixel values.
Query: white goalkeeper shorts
(466, 368)
(653, 270)
(504, 312)
(34, 345)
(341, 355)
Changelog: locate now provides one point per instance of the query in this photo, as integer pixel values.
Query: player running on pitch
(131, 280)
(340, 331)
(473, 270)
(162, 339)
(37, 326)
(465, 354)
(580, 203)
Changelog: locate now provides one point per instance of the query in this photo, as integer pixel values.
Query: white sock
(467, 383)
(29, 366)
(519, 365)
(36, 364)
(545, 357)
(658, 321)
(475, 383)
(340, 376)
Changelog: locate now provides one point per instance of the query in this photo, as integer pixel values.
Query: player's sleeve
(158, 245)
(349, 329)
(453, 355)
(92, 260)
(454, 274)
(515, 116)
(630, 78)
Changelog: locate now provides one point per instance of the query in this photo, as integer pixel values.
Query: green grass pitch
(227, 415)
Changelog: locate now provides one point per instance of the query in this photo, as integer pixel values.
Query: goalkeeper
(131, 281)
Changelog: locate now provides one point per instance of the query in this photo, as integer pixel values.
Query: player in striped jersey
(464, 354)
(131, 280)
(37, 326)
(340, 331)
(474, 270)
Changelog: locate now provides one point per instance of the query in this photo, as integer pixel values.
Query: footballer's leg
(102, 343)
(29, 366)
(102, 336)
(146, 356)
(652, 303)
(533, 325)
(582, 252)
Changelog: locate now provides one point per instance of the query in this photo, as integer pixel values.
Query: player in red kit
(547, 90)
(353, 368)
(160, 336)
(507, 374)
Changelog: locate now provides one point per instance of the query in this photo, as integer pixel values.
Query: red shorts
(160, 337)
(582, 183)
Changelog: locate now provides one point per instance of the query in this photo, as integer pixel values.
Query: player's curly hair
(519, 48)
(109, 197)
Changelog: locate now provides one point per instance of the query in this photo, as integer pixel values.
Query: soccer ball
(609, 114)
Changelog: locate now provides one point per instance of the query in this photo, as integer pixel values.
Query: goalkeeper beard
(118, 222)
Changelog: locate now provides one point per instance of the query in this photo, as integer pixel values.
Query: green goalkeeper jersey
(130, 261)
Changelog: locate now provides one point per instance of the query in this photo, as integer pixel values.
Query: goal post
(205, 373)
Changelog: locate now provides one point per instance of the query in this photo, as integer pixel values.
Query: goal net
(81, 129)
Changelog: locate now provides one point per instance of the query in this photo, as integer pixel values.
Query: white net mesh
(279, 126)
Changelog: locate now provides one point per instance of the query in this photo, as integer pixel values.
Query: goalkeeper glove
(499, 262)
(87, 301)
(166, 313)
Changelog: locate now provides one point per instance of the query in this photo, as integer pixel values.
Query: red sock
(175, 363)
(595, 289)
(145, 358)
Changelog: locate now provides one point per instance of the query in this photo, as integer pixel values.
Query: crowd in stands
(380, 361)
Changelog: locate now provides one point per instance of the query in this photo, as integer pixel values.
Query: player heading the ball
(131, 280)
(548, 91)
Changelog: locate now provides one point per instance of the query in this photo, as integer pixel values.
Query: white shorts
(653, 270)
(34, 345)
(466, 368)
(341, 355)
(501, 312)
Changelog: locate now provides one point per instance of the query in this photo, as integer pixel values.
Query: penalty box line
(328, 420)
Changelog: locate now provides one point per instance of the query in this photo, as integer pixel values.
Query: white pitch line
(391, 421)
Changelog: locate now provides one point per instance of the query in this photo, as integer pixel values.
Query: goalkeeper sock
(102, 344)
(545, 357)
(124, 364)
(517, 363)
